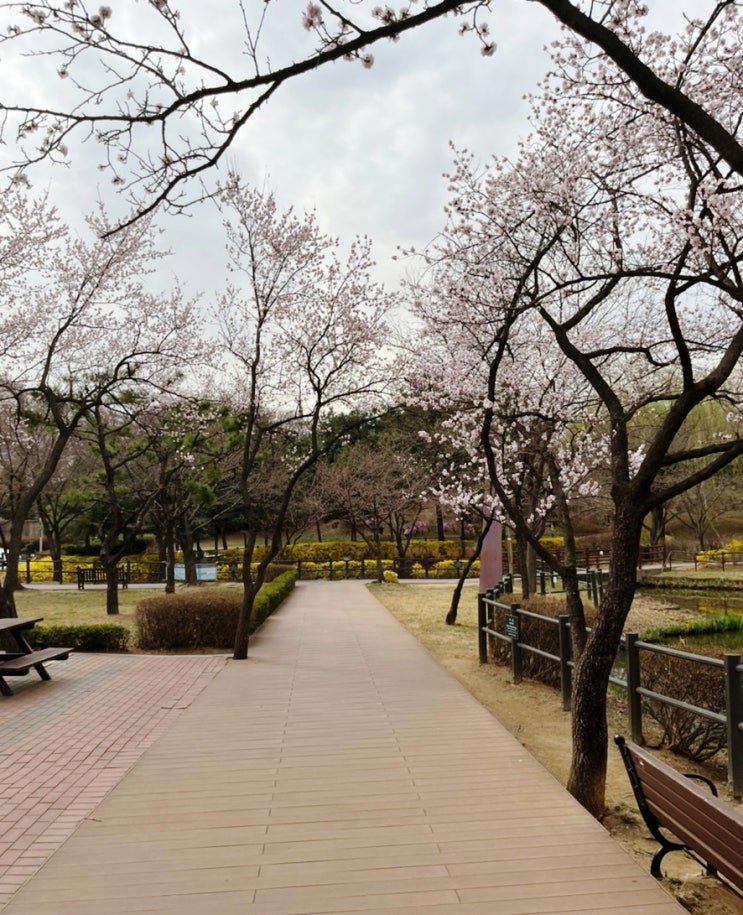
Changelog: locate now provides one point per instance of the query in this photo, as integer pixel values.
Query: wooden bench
(19, 660)
(19, 665)
(97, 576)
(702, 825)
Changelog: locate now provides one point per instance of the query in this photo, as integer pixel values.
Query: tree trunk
(440, 533)
(170, 560)
(13, 558)
(242, 633)
(112, 588)
(7, 606)
(576, 611)
(189, 560)
(521, 544)
(451, 616)
(250, 590)
(658, 525)
(378, 555)
(587, 780)
(529, 572)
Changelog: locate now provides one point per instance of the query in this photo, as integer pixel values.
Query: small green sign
(512, 626)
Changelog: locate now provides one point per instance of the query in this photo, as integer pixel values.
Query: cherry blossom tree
(304, 332)
(78, 327)
(614, 244)
(122, 74)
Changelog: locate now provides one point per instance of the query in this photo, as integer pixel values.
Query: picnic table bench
(702, 825)
(95, 575)
(19, 661)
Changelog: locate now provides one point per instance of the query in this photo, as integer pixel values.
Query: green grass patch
(716, 625)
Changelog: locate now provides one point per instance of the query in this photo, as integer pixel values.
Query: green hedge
(98, 637)
(195, 619)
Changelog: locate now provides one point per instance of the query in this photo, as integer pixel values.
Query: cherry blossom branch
(163, 84)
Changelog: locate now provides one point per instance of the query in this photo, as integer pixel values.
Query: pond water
(705, 603)
(708, 603)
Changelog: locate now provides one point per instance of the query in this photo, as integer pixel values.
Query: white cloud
(365, 148)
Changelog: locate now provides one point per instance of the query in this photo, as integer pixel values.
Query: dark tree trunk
(170, 560)
(112, 587)
(7, 606)
(189, 560)
(12, 559)
(587, 780)
(251, 587)
(377, 540)
(658, 525)
(242, 634)
(451, 616)
(440, 533)
(521, 545)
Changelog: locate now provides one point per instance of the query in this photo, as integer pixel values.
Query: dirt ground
(532, 713)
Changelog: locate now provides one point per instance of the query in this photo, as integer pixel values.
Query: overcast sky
(364, 148)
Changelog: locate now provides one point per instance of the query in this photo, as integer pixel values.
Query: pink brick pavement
(65, 744)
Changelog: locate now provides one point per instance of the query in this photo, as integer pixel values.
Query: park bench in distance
(94, 575)
(19, 662)
(702, 825)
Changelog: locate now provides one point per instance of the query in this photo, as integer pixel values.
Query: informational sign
(512, 626)
(205, 571)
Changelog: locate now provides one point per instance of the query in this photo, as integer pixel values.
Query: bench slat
(697, 823)
(706, 825)
(23, 664)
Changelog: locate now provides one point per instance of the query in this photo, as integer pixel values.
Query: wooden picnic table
(19, 660)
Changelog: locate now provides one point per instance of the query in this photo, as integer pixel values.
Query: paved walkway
(339, 770)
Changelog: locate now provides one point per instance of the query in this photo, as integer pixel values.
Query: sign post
(491, 558)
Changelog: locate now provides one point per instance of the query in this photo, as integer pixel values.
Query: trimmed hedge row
(95, 637)
(195, 619)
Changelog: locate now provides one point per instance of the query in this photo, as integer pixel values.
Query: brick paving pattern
(65, 743)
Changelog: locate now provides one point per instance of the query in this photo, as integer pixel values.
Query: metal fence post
(634, 700)
(482, 644)
(734, 711)
(490, 616)
(566, 678)
(516, 650)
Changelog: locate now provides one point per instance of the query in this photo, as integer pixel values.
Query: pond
(705, 603)
(709, 602)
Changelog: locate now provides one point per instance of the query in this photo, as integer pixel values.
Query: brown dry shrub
(195, 618)
(188, 620)
(539, 634)
(698, 684)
